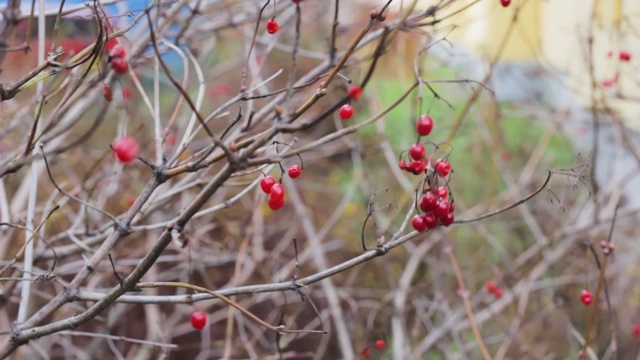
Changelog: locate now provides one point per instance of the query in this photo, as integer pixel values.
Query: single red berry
(447, 220)
(505, 3)
(355, 92)
(403, 165)
(119, 65)
(380, 344)
(635, 330)
(125, 149)
(428, 202)
(272, 26)
(442, 209)
(266, 183)
(418, 223)
(346, 111)
(443, 192)
(417, 167)
(198, 320)
(118, 51)
(295, 171)
(424, 125)
(498, 292)
(366, 353)
(277, 192)
(431, 220)
(107, 93)
(586, 297)
(491, 286)
(443, 167)
(275, 203)
(416, 151)
(624, 56)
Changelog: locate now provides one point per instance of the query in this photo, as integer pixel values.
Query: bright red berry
(275, 203)
(586, 297)
(125, 149)
(431, 220)
(443, 167)
(416, 151)
(424, 125)
(266, 183)
(198, 320)
(498, 292)
(107, 93)
(442, 209)
(272, 26)
(295, 171)
(277, 192)
(447, 220)
(491, 286)
(417, 167)
(119, 65)
(443, 192)
(428, 202)
(118, 51)
(635, 330)
(505, 3)
(624, 56)
(418, 223)
(380, 344)
(346, 111)
(355, 92)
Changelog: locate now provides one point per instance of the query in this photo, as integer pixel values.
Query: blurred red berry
(418, 223)
(491, 286)
(127, 93)
(498, 292)
(366, 353)
(119, 65)
(117, 51)
(355, 92)
(635, 330)
(126, 149)
(505, 3)
(380, 344)
(424, 125)
(624, 56)
(266, 183)
(107, 93)
(443, 167)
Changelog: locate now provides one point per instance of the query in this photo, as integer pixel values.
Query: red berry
(126, 149)
(277, 192)
(275, 203)
(586, 297)
(505, 3)
(272, 26)
(366, 353)
(491, 286)
(416, 151)
(295, 171)
(403, 165)
(624, 56)
(119, 65)
(266, 183)
(118, 51)
(498, 292)
(447, 220)
(443, 192)
(380, 344)
(107, 93)
(198, 320)
(418, 223)
(297, 1)
(442, 209)
(443, 167)
(635, 330)
(428, 201)
(355, 92)
(431, 220)
(424, 125)
(346, 111)
(417, 167)
(127, 93)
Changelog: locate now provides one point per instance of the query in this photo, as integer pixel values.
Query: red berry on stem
(443, 167)
(505, 3)
(346, 111)
(266, 183)
(107, 93)
(586, 297)
(442, 209)
(366, 353)
(624, 56)
(443, 192)
(424, 125)
(380, 344)
(119, 65)
(277, 192)
(498, 292)
(418, 223)
(125, 149)
(431, 220)
(416, 151)
(295, 171)
(403, 165)
(491, 286)
(118, 51)
(417, 167)
(272, 26)
(447, 220)
(428, 202)
(198, 320)
(275, 203)
(635, 330)
(355, 92)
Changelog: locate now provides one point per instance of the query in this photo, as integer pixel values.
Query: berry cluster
(494, 289)
(275, 189)
(355, 93)
(117, 59)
